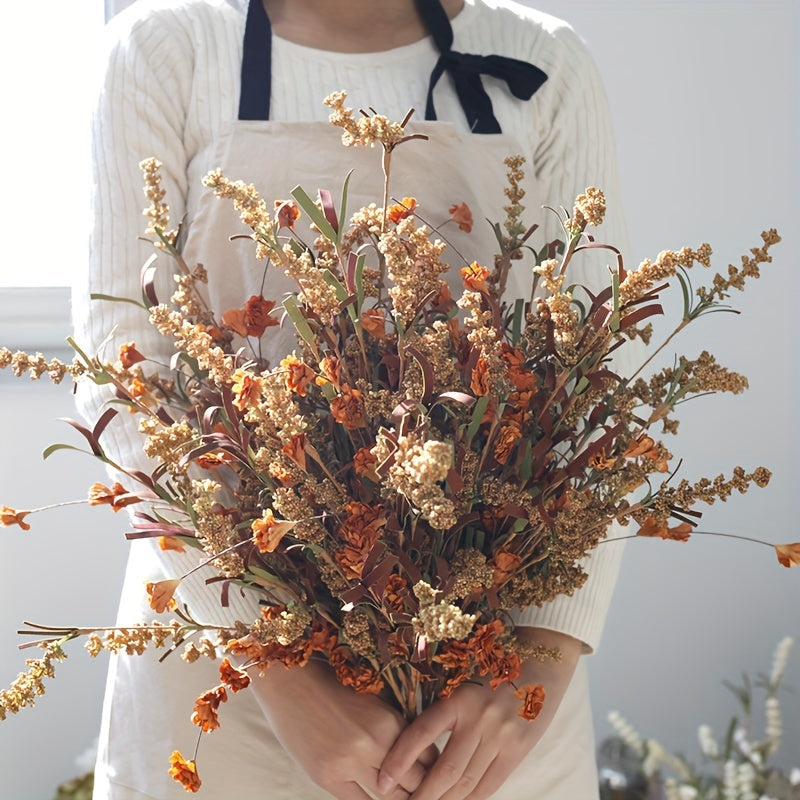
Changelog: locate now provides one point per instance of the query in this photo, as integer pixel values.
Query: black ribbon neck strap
(254, 95)
(523, 79)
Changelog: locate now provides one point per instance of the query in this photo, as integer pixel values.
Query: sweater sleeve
(573, 147)
(140, 112)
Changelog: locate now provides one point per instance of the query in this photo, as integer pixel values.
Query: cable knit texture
(172, 84)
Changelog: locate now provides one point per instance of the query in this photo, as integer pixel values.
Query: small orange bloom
(331, 371)
(295, 449)
(234, 320)
(453, 682)
(298, 374)
(398, 211)
(171, 543)
(214, 459)
(475, 277)
(137, 388)
(396, 593)
(8, 516)
(257, 315)
(185, 772)
(160, 594)
(509, 434)
(323, 637)
(117, 496)
(268, 532)
(479, 383)
(505, 565)
(462, 216)
(359, 530)
(246, 388)
(206, 708)
(129, 355)
(348, 409)
(599, 461)
(361, 677)
(249, 648)
(788, 554)
(374, 323)
(235, 679)
(455, 655)
(286, 213)
(652, 527)
(364, 463)
(505, 668)
(532, 701)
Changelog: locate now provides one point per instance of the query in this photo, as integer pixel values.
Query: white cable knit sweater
(172, 81)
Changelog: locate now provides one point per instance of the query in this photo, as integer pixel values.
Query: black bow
(523, 79)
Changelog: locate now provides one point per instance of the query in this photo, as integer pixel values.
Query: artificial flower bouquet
(420, 466)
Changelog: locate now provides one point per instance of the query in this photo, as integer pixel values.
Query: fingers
(414, 743)
(406, 784)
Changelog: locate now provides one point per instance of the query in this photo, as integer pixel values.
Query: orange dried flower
(298, 374)
(295, 449)
(652, 527)
(324, 637)
(599, 461)
(479, 382)
(455, 655)
(453, 682)
(505, 668)
(331, 370)
(268, 532)
(360, 677)
(398, 211)
(532, 701)
(185, 772)
(234, 320)
(505, 565)
(286, 213)
(117, 496)
(160, 594)
(129, 355)
(246, 389)
(137, 388)
(475, 277)
(206, 708)
(509, 434)
(257, 317)
(396, 593)
(214, 459)
(171, 543)
(462, 216)
(364, 463)
(248, 648)
(235, 679)
(347, 409)
(8, 516)
(788, 554)
(374, 323)
(359, 530)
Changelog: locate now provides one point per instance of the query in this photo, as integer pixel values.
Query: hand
(488, 739)
(337, 736)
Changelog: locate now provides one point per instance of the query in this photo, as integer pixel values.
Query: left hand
(488, 739)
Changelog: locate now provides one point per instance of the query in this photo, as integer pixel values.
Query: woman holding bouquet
(237, 84)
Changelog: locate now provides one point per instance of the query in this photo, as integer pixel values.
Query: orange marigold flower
(532, 701)
(462, 216)
(475, 277)
(485, 646)
(331, 370)
(479, 383)
(206, 708)
(214, 459)
(137, 388)
(268, 532)
(360, 677)
(8, 516)
(324, 637)
(360, 531)
(364, 463)
(246, 389)
(185, 772)
(234, 320)
(398, 211)
(286, 213)
(788, 554)
(509, 434)
(171, 543)
(298, 374)
(599, 461)
(348, 409)
(248, 648)
(453, 682)
(653, 527)
(455, 655)
(505, 668)
(295, 449)
(117, 496)
(257, 317)
(129, 355)
(374, 323)
(160, 594)
(235, 679)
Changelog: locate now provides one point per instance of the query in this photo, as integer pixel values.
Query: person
(237, 84)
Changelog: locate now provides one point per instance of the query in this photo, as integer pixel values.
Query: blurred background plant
(739, 766)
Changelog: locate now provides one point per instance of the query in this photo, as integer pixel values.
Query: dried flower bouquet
(419, 467)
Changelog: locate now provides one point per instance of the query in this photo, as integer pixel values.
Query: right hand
(338, 736)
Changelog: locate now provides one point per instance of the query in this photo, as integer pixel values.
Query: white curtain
(115, 6)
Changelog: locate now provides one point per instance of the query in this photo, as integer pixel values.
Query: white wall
(705, 97)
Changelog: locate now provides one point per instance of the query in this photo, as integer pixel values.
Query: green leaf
(314, 213)
(477, 415)
(54, 447)
(358, 279)
(300, 322)
(516, 322)
(267, 576)
(113, 299)
(343, 207)
(613, 323)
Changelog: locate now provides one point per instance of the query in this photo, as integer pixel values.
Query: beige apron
(149, 703)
